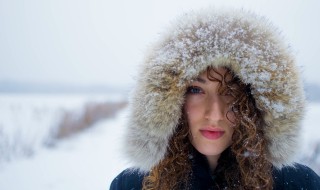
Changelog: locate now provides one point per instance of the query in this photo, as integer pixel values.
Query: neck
(213, 161)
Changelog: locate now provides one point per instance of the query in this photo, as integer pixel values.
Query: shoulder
(130, 179)
(297, 176)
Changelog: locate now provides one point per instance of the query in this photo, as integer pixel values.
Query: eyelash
(197, 90)
(194, 90)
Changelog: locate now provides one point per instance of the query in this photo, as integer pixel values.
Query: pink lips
(212, 134)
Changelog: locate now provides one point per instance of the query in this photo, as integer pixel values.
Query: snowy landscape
(31, 159)
(61, 128)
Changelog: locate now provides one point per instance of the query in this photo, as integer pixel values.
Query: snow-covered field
(88, 160)
(84, 161)
(28, 121)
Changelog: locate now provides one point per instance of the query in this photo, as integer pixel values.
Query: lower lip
(212, 135)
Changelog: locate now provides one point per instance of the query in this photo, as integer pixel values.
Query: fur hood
(247, 44)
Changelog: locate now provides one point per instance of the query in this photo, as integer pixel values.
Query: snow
(89, 160)
(92, 159)
(28, 120)
(311, 129)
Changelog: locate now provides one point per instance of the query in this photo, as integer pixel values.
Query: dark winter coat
(299, 177)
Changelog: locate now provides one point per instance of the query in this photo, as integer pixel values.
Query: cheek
(194, 104)
(192, 112)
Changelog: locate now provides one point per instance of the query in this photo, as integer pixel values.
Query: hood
(247, 44)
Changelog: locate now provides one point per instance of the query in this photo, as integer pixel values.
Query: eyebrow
(201, 80)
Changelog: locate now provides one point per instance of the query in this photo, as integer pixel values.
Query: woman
(218, 104)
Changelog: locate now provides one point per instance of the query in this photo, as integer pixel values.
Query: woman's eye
(194, 90)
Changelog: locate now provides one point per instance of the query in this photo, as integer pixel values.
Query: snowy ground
(29, 121)
(91, 160)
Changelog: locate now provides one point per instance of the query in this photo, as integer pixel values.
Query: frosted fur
(247, 44)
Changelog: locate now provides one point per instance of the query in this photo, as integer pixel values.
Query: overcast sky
(103, 41)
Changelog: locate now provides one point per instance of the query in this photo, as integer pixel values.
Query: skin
(206, 110)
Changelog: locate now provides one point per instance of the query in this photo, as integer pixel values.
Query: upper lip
(212, 128)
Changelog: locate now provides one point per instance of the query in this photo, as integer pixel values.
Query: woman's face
(206, 111)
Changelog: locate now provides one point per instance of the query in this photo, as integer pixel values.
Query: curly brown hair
(243, 165)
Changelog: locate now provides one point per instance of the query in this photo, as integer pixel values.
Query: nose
(215, 109)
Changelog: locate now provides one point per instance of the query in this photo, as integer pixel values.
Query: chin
(209, 151)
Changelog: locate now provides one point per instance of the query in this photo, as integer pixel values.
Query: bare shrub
(72, 123)
(3, 145)
(14, 146)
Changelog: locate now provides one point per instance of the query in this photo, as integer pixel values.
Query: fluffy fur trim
(247, 44)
